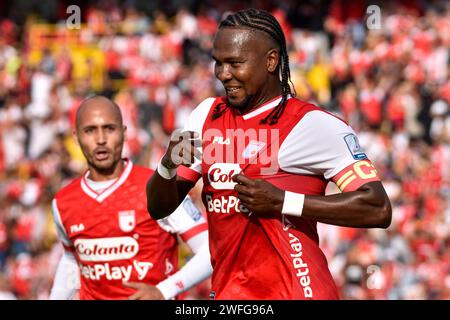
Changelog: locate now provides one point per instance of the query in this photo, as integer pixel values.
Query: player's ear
(273, 58)
(124, 132)
(75, 136)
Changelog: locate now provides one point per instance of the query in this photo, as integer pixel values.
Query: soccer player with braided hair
(265, 159)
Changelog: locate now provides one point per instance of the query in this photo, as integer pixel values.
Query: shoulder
(206, 105)
(68, 190)
(138, 169)
(315, 123)
(140, 174)
(199, 115)
(305, 111)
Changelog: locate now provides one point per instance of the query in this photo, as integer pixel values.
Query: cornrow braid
(263, 21)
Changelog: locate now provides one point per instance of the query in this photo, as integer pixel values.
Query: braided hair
(263, 21)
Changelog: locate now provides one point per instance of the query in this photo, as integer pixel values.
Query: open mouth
(101, 155)
(232, 90)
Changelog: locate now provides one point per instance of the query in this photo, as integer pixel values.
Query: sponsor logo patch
(354, 147)
(76, 228)
(106, 249)
(191, 209)
(221, 140)
(220, 175)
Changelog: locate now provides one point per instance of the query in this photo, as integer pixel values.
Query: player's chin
(104, 164)
(239, 103)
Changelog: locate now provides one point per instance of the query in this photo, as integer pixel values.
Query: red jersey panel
(271, 256)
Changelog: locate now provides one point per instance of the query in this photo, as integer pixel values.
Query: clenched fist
(183, 149)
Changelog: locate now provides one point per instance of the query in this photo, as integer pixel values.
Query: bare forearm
(165, 195)
(162, 196)
(367, 207)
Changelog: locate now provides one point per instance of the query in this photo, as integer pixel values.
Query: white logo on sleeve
(127, 220)
(355, 148)
(220, 175)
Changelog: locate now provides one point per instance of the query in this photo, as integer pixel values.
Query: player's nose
(101, 137)
(223, 73)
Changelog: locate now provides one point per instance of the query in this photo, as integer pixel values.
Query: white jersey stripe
(99, 197)
(262, 109)
(59, 225)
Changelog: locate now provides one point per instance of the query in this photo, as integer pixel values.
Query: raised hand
(183, 149)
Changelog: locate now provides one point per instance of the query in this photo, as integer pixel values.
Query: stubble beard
(242, 106)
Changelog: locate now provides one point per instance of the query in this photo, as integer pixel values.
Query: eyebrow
(89, 126)
(228, 58)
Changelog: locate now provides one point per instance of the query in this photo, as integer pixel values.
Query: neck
(262, 97)
(96, 174)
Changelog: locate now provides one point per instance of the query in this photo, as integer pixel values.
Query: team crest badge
(127, 220)
(252, 149)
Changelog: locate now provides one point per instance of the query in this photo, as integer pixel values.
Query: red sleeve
(355, 175)
(188, 174)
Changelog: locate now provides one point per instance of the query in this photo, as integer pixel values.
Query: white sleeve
(61, 231)
(67, 278)
(197, 269)
(320, 144)
(186, 218)
(195, 122)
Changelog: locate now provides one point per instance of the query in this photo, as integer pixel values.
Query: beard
(104, 168)
(241, 106)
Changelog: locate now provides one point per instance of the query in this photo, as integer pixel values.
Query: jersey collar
(263, 108)
(99, 197)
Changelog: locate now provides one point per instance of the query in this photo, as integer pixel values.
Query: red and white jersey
(113, 237)
(271, 257)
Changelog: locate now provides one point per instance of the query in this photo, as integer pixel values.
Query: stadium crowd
(390, 83)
